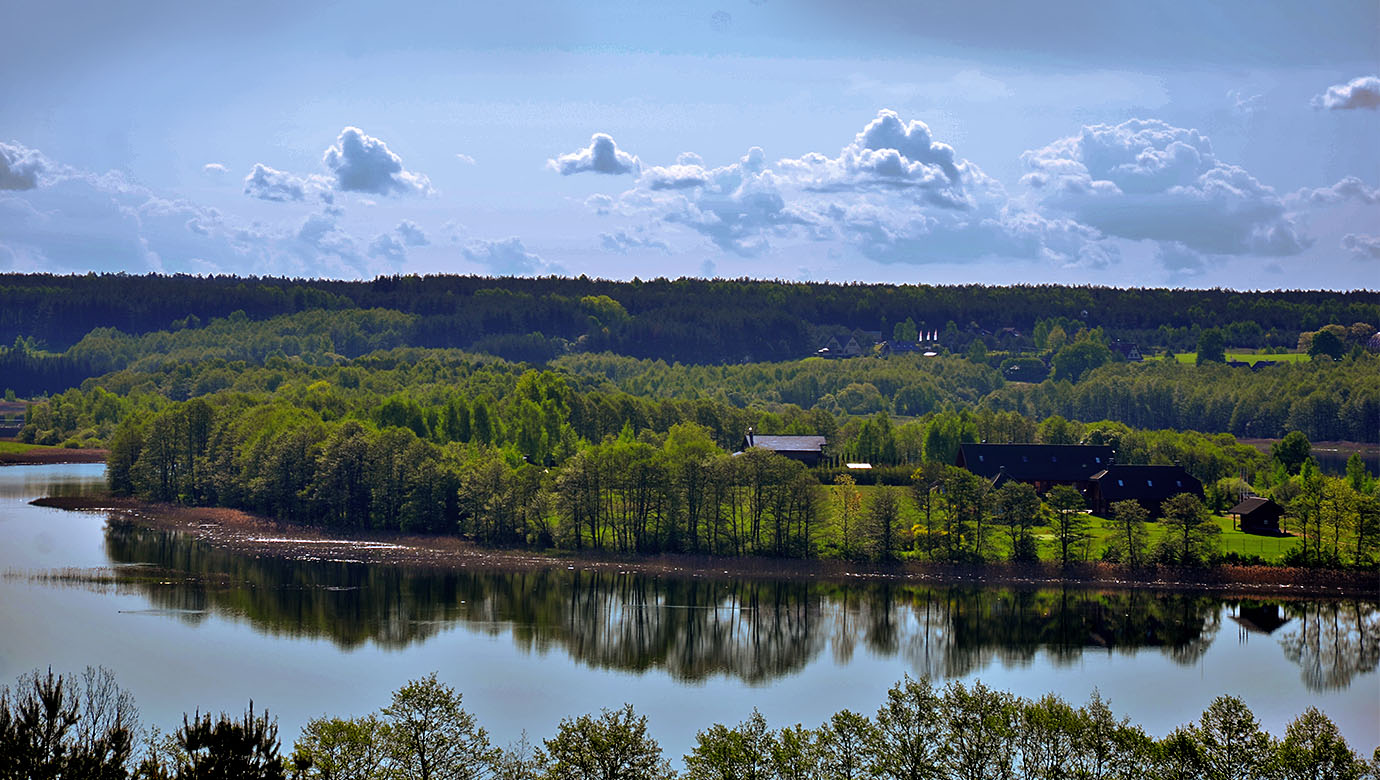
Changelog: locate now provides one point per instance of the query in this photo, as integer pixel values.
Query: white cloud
(465, 158)
(890, 154)
(599, 203)
(1145, 179)
(411, 234)
(214, 171)
(1360, 92)
(1362, 246)
(507, 257)
(387, 246)
(20, 167)
(266, 183)
(622, 241)
(362, 163)
(601, 156)
(1349, 188)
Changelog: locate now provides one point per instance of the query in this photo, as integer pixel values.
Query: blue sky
(1149, 143)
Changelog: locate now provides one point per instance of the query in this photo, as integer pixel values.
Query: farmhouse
(1150, 485)
(1041, 465)
(1257, 515)
(806, 449)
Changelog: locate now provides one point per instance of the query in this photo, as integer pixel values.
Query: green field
(1244, 357)
(1269, 548)
(15, 447)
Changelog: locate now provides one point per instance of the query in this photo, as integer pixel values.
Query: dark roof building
(1128, 350)
(1150, 485)
(1041, 465)
(1257, 515)
(806, 449)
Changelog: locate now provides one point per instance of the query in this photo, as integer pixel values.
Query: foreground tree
(53, 726)
(335, 749)
(613, 746)
(224, 748)
(428, 735)
(909, 733)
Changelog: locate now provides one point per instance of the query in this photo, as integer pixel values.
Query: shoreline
(250, 534)
(42, 456)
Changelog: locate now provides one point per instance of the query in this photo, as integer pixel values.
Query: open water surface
(184, 625)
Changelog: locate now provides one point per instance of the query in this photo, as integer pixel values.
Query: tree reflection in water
(695, 628)
(1333, 641)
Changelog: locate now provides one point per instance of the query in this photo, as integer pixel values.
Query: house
(1127, 350)
(900, 347)
(806, 449)
(1259, 618)
(1257, 515)
(852, 348)
(1041, 465)
(1150, 485)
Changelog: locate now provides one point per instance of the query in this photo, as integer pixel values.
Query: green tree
(1234, 747)
(613, 746)
(741, 753)
(1211, 347)
(1017, 506)
(1130, 537)
(909, 733)
(883, 516)
(847, 509)
(1292, 451)
(1313, 749)
(843, 744)
(1072, 362)
(1190, 535)
(1070, 524)
(981, 730)
(1326, 344)
(430, 737)
(336, 749)
(222, 748)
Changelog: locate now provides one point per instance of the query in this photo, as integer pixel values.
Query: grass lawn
(1269, 548)
(1244, 357)
(15, 447)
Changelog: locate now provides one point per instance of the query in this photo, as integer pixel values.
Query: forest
(313, 409)
(87, 726)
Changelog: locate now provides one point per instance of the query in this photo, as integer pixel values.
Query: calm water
(184, 625)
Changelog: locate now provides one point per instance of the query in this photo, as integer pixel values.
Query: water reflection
(698, 628)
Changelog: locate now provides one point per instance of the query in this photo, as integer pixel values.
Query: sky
(1152, 143)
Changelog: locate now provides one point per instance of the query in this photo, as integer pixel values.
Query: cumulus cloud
(507, 257)
(411, 234)
(362, 163)
(1349, 188)
(1362, 246)
(622, 242)
(601, 156)
(1360, 92)
(599, 203)
(894, 192)
(214, 171)
(19, 167)
(266, 183)
(891, 154)
(387, 246)
(1145, 179)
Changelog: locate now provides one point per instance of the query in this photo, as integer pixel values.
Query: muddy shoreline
(47, 457)
(253, 535)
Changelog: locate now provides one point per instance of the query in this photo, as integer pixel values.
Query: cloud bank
(1360, 92)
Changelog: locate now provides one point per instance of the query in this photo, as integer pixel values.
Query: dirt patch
(253, 535)
(45, 456)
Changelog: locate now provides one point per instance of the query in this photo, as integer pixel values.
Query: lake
(186, 625)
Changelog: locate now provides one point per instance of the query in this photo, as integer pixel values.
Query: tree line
(684, 320)
(52, 726)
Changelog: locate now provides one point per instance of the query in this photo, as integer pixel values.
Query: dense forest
(87, 726)
(346, 405)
